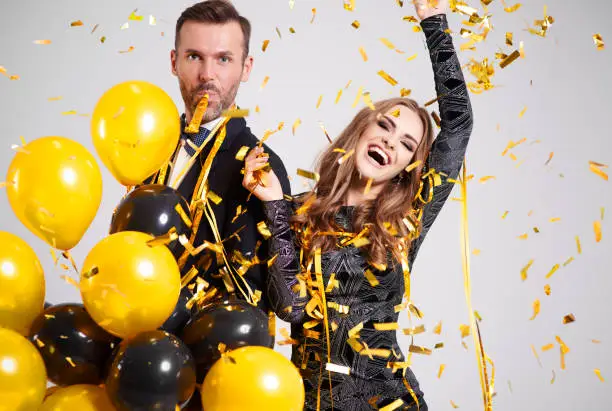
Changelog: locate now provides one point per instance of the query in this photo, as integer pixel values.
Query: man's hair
(214, 12)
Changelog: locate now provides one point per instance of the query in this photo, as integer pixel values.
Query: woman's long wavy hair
(395, 201)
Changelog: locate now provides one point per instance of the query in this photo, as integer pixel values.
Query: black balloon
(74, 348)
(151, 209)
(181, 314)
(234, 323)
(152, 371)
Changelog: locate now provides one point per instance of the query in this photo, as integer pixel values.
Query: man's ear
(173, 62)
(246, 69)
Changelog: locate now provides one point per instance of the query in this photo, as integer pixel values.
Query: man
(211, 56)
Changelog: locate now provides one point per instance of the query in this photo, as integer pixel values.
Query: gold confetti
(602, 211)
(410, 19)
(77, 23)
(415, 330)
(291, 30)
(570, 318)
(296, 124)
(346, 156)
(412, 166)
(564, 349)
(597, 169)
(387, 43)
(522, 50)
(264, 230)
(441, 370)
(543, 25)
(356, 24)
(552, 381)
(535, 353)
(257, 109)
(509, 39)
(308, 174)
(152, 20)
(452, 403)
(548, 347)
(319, 100)
(364, 56)
(415, 349)
(509, 59)
(338, 96)
(536, 309)
(522, 113)
(597, 229)
(212, 196)
(236, 113)
(476, 251)
(349, 5)
(102, 39)
(596, 341)
(438, 328)
(568, 261)
(552, 271)
(69, 113)
(265, 81)
(70, 361)
(417, 29)
(42, 42)
(598, 40)
(578, 246)
(412, 57)
(486, 178)
(54, 98)
(371, 278)
(386, 326)
(314, 14)
(368, 185)
(279, 33)
(134, 17)
(439, 345)
(511, 9)
(547, 289)
(125, 26)
(523, 236)
(436, 119)
(129, 50)
(598, 374)
(264, 46)
(387, 77)
(483, 72)
(465, 330)
(505, 215)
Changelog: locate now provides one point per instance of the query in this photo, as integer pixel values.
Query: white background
(563, 81)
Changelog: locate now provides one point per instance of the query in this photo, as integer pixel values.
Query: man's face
(210, 60)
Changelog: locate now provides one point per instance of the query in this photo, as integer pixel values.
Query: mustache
(206, 88)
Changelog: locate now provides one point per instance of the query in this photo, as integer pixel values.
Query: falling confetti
(387, 77)
(598, 40)
(291, 30)
(135, 17)
(536, 309)
(570, 318)
(552, 271)
(319, 101)
(509, 59)
(597, 169)
(564, 349)
(554, 376)
(405, 92)
(349, 5)
(77, 23)
(509, 39)
(296, 124)
(338, 96)
(314, 14)
(453, 404)
(438, 328)
(42, 42)
(525, 269)
(597, 229)
(356, 24)
(598, 374)
(547, 289)
(264, 46)
(129, 50)
(522, 113)
(265, 81)
(535, 353)
(441, 370)
(364, 56)
(578, 246)
(542, 26)
(511, 9)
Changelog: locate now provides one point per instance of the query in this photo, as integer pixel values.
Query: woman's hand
(263, 184)
(428, 8)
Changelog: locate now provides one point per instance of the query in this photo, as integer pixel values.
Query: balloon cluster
(138, 341)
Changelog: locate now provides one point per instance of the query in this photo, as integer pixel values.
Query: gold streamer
(487, 393)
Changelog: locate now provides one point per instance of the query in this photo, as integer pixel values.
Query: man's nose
(207, 71)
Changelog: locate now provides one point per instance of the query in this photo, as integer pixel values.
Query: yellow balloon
(55, 187)
(129, 287)
(23, 379)
(79, 397)
(255, 378)
(22, 284)
(135, 128)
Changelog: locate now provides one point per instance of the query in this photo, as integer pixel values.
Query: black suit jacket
(225, 180)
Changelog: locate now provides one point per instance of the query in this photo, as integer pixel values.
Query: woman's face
(387, 146)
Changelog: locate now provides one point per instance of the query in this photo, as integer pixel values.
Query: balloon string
(465, 246)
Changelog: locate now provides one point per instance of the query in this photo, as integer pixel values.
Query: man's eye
(192, 57)
(224, 59)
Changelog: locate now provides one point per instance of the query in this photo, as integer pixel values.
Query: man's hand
(263, 184)
(428, 8)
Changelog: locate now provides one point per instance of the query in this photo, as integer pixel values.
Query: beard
(192, 97)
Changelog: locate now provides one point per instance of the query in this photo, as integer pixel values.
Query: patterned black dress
(371, 384)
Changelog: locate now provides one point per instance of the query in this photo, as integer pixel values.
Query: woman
(340, 254)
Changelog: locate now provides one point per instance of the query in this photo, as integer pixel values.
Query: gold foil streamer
(386, 326)
(264, 230)
(393, 406)
(535, 353)
(371, 278)
(415, 349)
(242, 152)
(414, 331)
(481, 356)
(509, 59)
(196, 119)
(308, 174)
(368, 185)
(387, 77)
(340, 369)
(542, 26)
(547, 347)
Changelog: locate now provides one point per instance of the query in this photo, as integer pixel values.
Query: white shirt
(182, 157)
